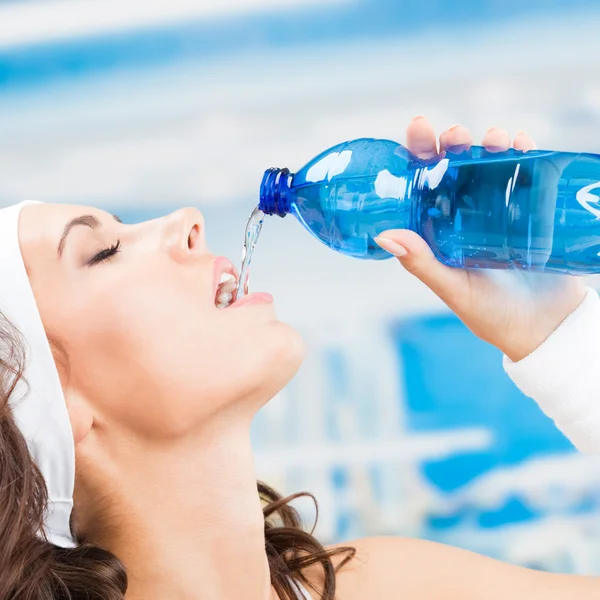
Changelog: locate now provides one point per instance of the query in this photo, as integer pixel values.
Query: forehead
(46, 222)
(42, 225)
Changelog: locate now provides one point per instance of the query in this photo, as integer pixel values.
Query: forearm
(563, 375)
(391, 568)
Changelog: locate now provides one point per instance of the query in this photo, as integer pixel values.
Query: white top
(563, 375)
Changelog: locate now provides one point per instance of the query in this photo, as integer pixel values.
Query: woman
(140, 393)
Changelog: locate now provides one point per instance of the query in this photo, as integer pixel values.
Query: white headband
(39, 404)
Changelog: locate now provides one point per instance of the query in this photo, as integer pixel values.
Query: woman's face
(133, 308)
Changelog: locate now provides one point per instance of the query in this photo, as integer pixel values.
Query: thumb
(417, 258)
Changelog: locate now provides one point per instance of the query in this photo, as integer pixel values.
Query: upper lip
(223, 265)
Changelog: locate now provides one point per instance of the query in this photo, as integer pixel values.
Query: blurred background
(400, 421)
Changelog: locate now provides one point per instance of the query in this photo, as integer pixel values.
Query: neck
(187, 520)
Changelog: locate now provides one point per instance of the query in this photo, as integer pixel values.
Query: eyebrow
(87, 221)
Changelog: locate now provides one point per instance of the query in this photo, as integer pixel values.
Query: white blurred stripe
(48, 21)
(411, 448)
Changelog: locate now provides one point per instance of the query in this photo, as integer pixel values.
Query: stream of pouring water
(253, 228)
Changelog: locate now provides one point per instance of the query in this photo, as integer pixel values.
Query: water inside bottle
(251, 235)
(535, 211)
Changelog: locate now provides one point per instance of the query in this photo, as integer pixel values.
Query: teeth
(226, 289)
(229, 286)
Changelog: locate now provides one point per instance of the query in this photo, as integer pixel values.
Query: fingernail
(428, 155)
(521, 132)
(418, 117)
(496, 149)
(493, 128)
(458, 149)
(391, 246)
(453, 127)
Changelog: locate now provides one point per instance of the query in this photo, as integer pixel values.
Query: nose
(185, 233)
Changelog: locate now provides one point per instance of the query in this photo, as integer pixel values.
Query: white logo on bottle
(589, 201)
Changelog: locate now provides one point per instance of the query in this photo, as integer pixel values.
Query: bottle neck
(275, 196)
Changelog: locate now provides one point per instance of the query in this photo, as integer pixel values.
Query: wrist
(528, 339)
(529, 336)
(517, 350)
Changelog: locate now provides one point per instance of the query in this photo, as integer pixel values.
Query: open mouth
(227, 283)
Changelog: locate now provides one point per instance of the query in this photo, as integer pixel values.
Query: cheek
(130, 352)
(160, 361)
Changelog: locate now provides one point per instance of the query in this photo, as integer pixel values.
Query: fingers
(523, 142)
(416, 257)
(421, 139)
(496, 140)
(422, 142)
(457, 139)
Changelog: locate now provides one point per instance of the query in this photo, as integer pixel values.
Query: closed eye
(105, 254)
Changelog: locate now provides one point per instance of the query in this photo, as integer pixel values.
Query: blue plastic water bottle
(536, 210)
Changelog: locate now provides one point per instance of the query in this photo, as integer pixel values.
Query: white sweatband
(38, 402)
(563, 375)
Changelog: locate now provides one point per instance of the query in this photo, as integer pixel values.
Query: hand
(513, 310)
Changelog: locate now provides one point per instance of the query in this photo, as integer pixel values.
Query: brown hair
(32, 568)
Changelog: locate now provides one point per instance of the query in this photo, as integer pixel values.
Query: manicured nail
(458, 149)
(427, 155)
(391, 246)
(496, 149)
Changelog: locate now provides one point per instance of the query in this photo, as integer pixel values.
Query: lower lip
(256, 298)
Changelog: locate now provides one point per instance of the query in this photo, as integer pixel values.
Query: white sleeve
(563, 375)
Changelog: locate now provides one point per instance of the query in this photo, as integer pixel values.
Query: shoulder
(387, 568)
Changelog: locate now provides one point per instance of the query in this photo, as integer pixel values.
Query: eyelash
(105, 254)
